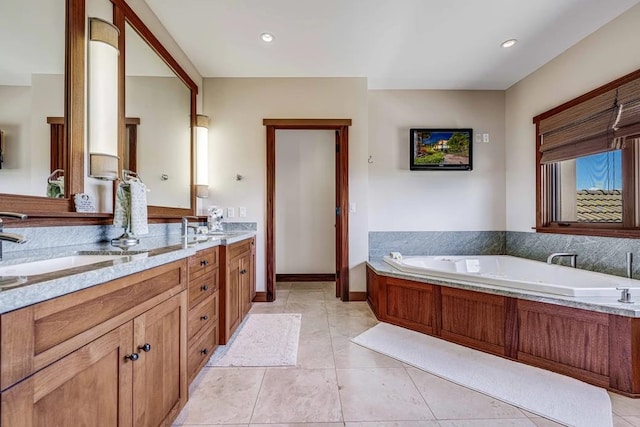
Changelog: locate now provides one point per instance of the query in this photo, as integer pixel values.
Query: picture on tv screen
(440, 149)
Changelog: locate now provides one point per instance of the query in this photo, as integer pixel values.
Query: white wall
(237, 144)
(605, 55)
(404, 200)
(164, 137)
(305, 202)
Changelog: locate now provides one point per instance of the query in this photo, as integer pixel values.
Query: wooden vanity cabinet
(202, 325)
(237, 285)
(112, 354)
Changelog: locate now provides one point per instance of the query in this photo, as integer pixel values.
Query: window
(588, 168)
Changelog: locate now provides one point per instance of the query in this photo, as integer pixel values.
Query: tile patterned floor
(338, 383)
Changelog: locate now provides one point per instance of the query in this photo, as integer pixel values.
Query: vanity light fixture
(202, 156)
(267, 37)
(102, 87)
(509, 43)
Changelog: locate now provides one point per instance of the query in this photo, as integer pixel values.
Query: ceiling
(396, 44)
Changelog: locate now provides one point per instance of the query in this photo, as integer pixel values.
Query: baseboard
(357, 296)
(260, 297)
(305, 277)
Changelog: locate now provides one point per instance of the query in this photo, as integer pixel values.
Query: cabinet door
(245, 284)
(159, 375)
(252, 269)
(89, 387)
(233, 314)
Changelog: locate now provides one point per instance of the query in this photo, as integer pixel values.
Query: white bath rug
(262, 340)
(550, 395)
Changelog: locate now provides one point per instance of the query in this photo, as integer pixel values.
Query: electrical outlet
(231, 212)
(352, 207)
(485, 137)
(242, 212)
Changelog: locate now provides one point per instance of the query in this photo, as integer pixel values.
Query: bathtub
(516, 273)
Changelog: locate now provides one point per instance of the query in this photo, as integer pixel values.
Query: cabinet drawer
(239, 248)
(203, 315)
(202, 262)
(201, 350)
(202, 287)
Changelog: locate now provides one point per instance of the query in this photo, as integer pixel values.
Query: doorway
(341, 131)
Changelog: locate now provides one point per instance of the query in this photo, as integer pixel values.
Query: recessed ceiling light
(509, 43)
(266, 37)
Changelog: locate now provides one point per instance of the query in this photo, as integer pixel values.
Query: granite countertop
(608, 305)
(17, 292)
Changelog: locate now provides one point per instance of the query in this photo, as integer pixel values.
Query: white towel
(122, 207)
(130, 211)
(138, 224)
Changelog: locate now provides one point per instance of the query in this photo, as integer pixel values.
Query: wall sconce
(103, 99)
(202, 156)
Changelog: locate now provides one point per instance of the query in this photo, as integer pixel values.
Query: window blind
(598, 124)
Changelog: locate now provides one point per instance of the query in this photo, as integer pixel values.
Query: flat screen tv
(440, 149)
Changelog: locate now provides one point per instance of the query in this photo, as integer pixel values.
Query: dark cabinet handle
(204, 351)
(133, 357)
(205, 317)
(243, 271)
(145, 348)
(204, 262)
(204, 288)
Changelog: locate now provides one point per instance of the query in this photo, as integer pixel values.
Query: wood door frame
(341, 128)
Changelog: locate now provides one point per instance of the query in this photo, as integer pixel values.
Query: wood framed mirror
(72, 109)
(150, 77)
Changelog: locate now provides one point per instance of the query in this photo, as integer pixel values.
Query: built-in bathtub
(512, 272)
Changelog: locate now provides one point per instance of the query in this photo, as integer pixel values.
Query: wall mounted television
(440, 149)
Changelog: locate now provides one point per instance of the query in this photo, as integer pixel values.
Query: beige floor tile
(300, 425)
(380, 394)
(282, 286)
(422, 423)
(624, 406)
(350, 355)
(543, 422)
(307, 297)
(451, 401)
(266, 308)
(350, 326)
(311, 286)
(298, 396)
(223, 396)
(621, 422)
(516, 422)
(315, 308)
(315, 353)
(314, 325)
(211, 425)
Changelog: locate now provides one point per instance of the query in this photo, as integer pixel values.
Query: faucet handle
(625, 296)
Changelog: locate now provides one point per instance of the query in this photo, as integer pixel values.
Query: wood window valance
(599, 121)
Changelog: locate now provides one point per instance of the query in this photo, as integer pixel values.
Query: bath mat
(550, 395)
(262, 340)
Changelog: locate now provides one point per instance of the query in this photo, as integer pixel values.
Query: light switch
(231, 212)
(352, 207)
(485, 137)
(242, 212)
(478, 137)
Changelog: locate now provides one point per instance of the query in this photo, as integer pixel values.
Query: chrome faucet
(573, 257)
(10, 237)
(186, 226)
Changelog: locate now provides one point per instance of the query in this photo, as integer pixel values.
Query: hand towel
(122, 207)
(55, 188)
(138, 212)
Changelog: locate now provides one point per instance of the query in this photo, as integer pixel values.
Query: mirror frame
(74, 109)
(122, 13)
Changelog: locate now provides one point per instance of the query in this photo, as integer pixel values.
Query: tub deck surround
(592, 339)
(20, 292)
(519, 273)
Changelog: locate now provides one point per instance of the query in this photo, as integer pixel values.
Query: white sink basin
(55, 264)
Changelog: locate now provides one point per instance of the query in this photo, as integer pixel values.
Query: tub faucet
(573, 257)
(10, 237)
